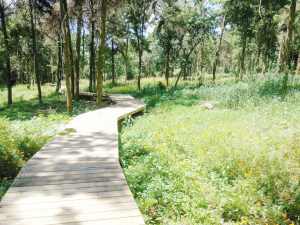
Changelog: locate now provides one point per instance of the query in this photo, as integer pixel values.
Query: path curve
(76, 179)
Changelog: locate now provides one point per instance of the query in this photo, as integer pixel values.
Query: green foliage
(237, 163)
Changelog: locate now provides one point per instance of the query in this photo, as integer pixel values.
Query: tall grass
(235, 164)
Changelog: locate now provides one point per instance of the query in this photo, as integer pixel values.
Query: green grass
(27, 125)
(238, 163)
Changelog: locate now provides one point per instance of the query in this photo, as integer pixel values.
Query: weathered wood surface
(76, 179)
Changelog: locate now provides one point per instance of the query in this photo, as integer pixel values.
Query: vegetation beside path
(235, 164)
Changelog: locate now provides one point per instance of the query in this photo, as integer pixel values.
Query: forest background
(49, 41)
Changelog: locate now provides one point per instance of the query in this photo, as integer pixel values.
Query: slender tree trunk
(72, 75)
(83, 50)
(59, 64)
(101, 53)
(201, 63)
(72, 78)
(112, 62)
(176, 83)
(66, 46)
(242, 64)
(78, 42)
(6, 53)
(167, 67)
(263, 71)
(218, 49)
(36, 65)
(257, 59)
(92, 48)
(285, 54)
(140, 61)
(140, 71)
(126, 59)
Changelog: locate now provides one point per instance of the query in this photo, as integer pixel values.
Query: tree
(167, 34)
(66, 47)
(284, 54)
(6, 52)
(78, 44)
(194, 25)
(100, 65)
(244, 17)
(35, 54)
(92, 46)
(219, 47)
(138, 15)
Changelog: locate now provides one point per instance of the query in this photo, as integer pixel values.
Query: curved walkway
(76, 179)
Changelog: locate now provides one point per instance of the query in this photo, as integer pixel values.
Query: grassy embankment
(236, 164)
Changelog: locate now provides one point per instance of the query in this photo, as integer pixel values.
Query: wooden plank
(82, 176)
(88, 201)
(71, 218)
(67, 172)
(78, 157)
(73, 161)
(65, 186)
(99, 195)
(74, 210)
(137, 220)
(22, 182)
(70, 191)
(78, 166)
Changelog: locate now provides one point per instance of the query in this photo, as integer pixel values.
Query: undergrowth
(235, 164)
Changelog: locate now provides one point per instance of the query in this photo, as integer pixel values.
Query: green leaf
(150, 202)
(66, 119)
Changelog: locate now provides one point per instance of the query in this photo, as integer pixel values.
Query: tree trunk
(78, 42)
(201, 63)
(6, 53)
(126, 59)
(59, 64)
(92, 48)
(72, 75)
(167, 67)
(83, 50)
(101, 53)
(36, 65)
(242, 65)
(218, 48)
(66, 46)
(112, 62)
(140, 70)
(256, 64)
(265, 60)
(176, 83)
(285, 54)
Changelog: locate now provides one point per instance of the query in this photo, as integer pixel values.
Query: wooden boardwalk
(76, 179)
